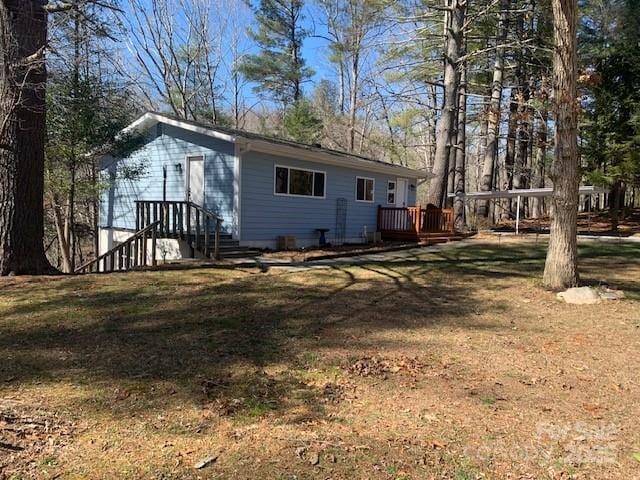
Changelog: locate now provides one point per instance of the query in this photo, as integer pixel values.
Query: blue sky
(314, 48)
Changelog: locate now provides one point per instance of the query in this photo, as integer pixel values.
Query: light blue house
(262, 188)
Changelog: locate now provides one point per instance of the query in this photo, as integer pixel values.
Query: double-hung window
(364, 189)
(299, 182)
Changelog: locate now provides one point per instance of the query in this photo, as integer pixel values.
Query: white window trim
(373, 199)
(394, 191)
(289, 167)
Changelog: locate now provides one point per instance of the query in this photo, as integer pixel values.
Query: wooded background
(461, 90)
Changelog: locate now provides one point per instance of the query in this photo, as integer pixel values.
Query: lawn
(454, 364)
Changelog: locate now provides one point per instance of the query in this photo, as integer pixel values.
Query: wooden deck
(425, 225)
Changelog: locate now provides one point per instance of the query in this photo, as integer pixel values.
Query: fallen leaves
(27, 436)
(379, 367)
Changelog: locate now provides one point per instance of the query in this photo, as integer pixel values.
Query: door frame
(405, 199)
(187, 177)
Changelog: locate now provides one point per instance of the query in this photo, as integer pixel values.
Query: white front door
(401, 192)
(195, 180)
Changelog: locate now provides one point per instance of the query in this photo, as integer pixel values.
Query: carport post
(518, 216)
(589, 214)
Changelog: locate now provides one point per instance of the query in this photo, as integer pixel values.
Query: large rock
(580, 296)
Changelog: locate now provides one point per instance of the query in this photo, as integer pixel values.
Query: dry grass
(455, 364)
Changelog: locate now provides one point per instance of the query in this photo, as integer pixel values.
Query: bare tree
(561, 267)
(177, 47)
(352, 27)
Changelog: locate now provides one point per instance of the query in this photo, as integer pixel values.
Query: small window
(391, 193)
(364, 189)
(298, 182)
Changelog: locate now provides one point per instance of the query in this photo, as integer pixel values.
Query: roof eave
(330, 158)
(149, 119)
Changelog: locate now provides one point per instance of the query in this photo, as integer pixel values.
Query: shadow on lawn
(212, 333)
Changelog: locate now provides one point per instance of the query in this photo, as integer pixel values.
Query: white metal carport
(524, 192)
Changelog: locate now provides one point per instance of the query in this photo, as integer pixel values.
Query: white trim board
(237, 193)
(149, 119)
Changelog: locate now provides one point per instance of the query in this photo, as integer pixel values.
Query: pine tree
(302, 124)
(278, 68)
(23, 76)
(610, 34)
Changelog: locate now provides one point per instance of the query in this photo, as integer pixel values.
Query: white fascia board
(332, 159)
(150, 119)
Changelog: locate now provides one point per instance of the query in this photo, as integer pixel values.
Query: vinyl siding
(169, 146)
(265, 216)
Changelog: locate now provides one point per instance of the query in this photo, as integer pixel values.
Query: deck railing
(184, 220)
(131, 253)
(415, 220)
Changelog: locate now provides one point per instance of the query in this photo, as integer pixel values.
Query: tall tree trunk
(541, 150)
(451, 174)
(23, 32)
(446, 124)
(341, 86)
(482, 144)
(510, 152)
(493, 120)
(520, 172)
(561, 267)
(461, 152)
(353, 99)
(63, 245)
(616, 196)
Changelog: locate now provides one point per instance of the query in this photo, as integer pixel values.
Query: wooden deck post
(206, 236)
(216, 245)
(379, 226)
(418, 218)
(154, 235)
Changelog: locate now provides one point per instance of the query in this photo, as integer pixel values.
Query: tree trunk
(446, 125)
(451, 174)
(614, 204)
(510, 152)
(461, 152)
(541, 150)
(353, 99)
(493, 119)
(64, 250)
(23, 32)
(561, 267)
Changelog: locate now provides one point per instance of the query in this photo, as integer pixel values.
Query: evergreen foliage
(278, 68)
